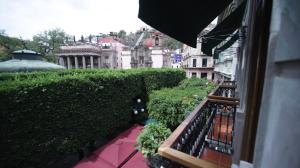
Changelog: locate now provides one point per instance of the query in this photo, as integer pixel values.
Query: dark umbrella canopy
(223, 29)
(182, 20)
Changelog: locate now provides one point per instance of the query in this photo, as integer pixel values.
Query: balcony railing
(210, 125)
(224, 91)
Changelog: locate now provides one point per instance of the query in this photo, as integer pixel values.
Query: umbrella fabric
(182, 20)
(223, 29)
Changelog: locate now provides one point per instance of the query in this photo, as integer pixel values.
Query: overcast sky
(26, 18)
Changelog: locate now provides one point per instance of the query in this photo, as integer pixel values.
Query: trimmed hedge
(50, 113)
(170, 106)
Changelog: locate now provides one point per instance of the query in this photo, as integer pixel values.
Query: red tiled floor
(218, 158)
(118, 151)
(225, 131)
(137, 161)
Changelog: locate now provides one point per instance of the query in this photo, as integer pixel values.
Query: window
(194, 62)
(156, 41)
(204, 62)
(194, 74)
(204, 75)
(141, 60)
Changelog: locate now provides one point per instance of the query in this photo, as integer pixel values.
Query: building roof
(16, 65)
(27, 60)
(79, 49)
(148, 42)
(108, 40)
(25, 52)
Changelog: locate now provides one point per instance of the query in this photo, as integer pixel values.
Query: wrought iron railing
(211, 125)
(221, 129)
(226, 90)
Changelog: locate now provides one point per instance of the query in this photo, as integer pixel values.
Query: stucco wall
(277, 143)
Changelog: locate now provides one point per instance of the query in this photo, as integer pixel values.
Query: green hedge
(47, 113)
(170, 106)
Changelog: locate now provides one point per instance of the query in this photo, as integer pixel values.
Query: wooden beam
(223, 98)
(223, 101)
(185, 159)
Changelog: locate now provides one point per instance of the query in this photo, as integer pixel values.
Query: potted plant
(149, 141)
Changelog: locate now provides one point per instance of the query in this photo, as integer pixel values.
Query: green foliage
(170, 106)
(122, 34)
(196, 82)
(48, 42)
(171, 43)
(8, 45)
(47, 113)
(151, 138)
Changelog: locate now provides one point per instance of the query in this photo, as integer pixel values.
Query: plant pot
(157, 161)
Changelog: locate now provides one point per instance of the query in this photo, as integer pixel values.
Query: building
(225, 64)
(26, 61)
(262, 102)
(112, 48)
(196, 63)
(106, 53)
(81, 56)
(176, 59)
(148, 52)
(126, 58)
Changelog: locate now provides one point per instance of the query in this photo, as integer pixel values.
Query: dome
(148, 42)
(16, 65)
(27, 60)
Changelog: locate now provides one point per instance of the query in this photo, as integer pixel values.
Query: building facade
(112, 49)
(225, 65)
(197, 64)
(106, 53)
(148, 52)
(126, 58)
(80, 56)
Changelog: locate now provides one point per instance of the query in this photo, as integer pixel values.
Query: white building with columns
(83, 56)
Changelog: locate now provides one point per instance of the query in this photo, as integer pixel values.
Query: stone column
(83, 62)
(76, 62)
(92, 62)
(69, 62)
(61, 61)
(99, 62)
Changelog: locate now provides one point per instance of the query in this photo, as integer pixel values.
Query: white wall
(176, 65)
(278, 135)
(198, 73)
(126, 59)
(157, 58)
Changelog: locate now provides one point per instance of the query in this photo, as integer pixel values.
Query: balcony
(205, 138)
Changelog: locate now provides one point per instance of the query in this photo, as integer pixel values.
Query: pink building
(112, 46)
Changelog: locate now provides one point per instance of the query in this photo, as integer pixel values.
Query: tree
(122, 34)
(2, 32)
(8, 45)
(48, 42)
(171, 43)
